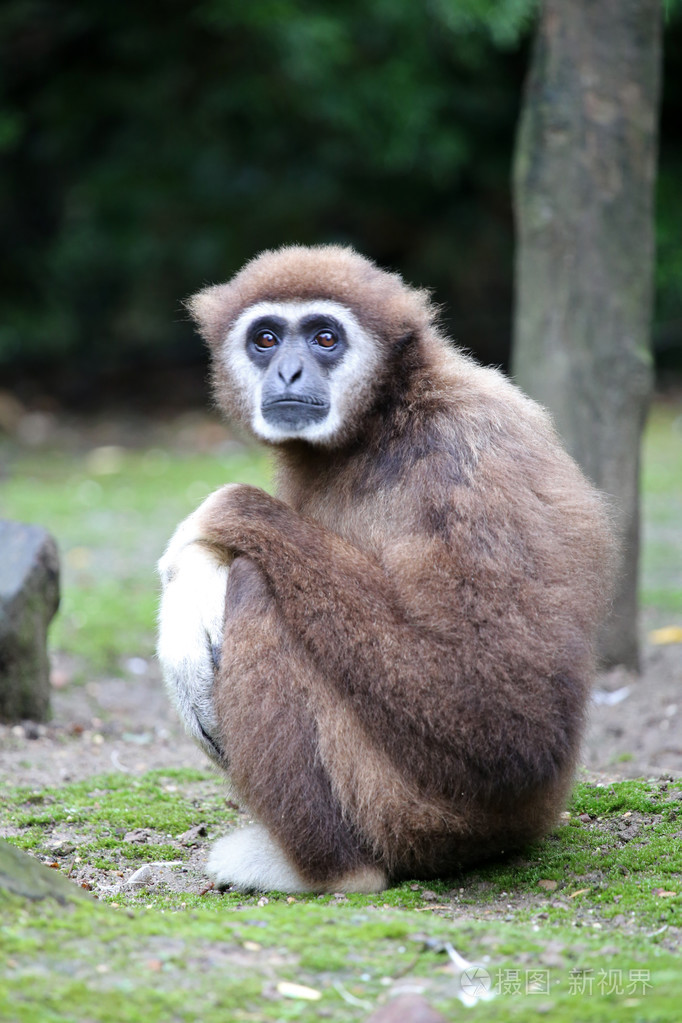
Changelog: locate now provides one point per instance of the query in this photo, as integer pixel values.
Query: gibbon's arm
(333, 596)
(349, 615)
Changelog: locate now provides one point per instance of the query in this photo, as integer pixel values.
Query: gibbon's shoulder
(481, 397)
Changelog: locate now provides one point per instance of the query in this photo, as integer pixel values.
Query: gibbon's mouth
(294, 400)
(294, 411)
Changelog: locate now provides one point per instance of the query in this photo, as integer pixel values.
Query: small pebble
(142, 876)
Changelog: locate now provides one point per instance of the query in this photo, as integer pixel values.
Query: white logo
(475, 982)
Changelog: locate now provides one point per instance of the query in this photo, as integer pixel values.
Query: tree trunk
(584, 179)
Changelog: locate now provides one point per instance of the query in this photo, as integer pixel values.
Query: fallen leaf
(581, 891)
(548, 885)
(669, 634)
(663, 894)
(289, 990)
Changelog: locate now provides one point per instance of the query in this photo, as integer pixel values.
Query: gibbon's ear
(209, 310)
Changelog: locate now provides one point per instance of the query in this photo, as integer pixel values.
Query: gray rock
(23, 875)
(29, 598)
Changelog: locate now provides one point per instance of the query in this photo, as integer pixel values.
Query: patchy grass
(584, 925)
(112, 511)
(89, 822)
(662, 514)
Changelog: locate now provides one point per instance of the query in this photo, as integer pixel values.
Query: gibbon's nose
(290, 368)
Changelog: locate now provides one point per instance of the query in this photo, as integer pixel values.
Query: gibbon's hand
(191, 616)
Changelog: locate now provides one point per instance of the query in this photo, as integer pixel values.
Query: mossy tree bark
(584, 178)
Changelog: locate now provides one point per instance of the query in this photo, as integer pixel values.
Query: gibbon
(391, 659)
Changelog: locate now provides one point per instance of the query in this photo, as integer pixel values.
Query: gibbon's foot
(250, 859)
(191, 622)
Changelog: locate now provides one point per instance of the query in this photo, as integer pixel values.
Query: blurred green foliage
(147, 149)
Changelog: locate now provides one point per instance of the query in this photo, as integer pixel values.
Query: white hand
(191, 617)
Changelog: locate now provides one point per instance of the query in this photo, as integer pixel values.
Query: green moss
(606, 914)
(100, 811)
(105, 964)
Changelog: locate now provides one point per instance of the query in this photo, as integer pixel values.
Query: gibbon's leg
(301, 841)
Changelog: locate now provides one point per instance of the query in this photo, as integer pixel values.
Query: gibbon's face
(304, 368)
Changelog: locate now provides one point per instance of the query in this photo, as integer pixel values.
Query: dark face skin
(296, 359)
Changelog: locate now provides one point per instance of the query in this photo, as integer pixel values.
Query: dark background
(148, 149)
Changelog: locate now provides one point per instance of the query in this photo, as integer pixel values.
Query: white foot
(250, 859)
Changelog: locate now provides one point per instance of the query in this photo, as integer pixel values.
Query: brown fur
(410, 627)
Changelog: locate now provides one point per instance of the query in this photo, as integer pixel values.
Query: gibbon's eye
(265, 339)
(325, 339)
